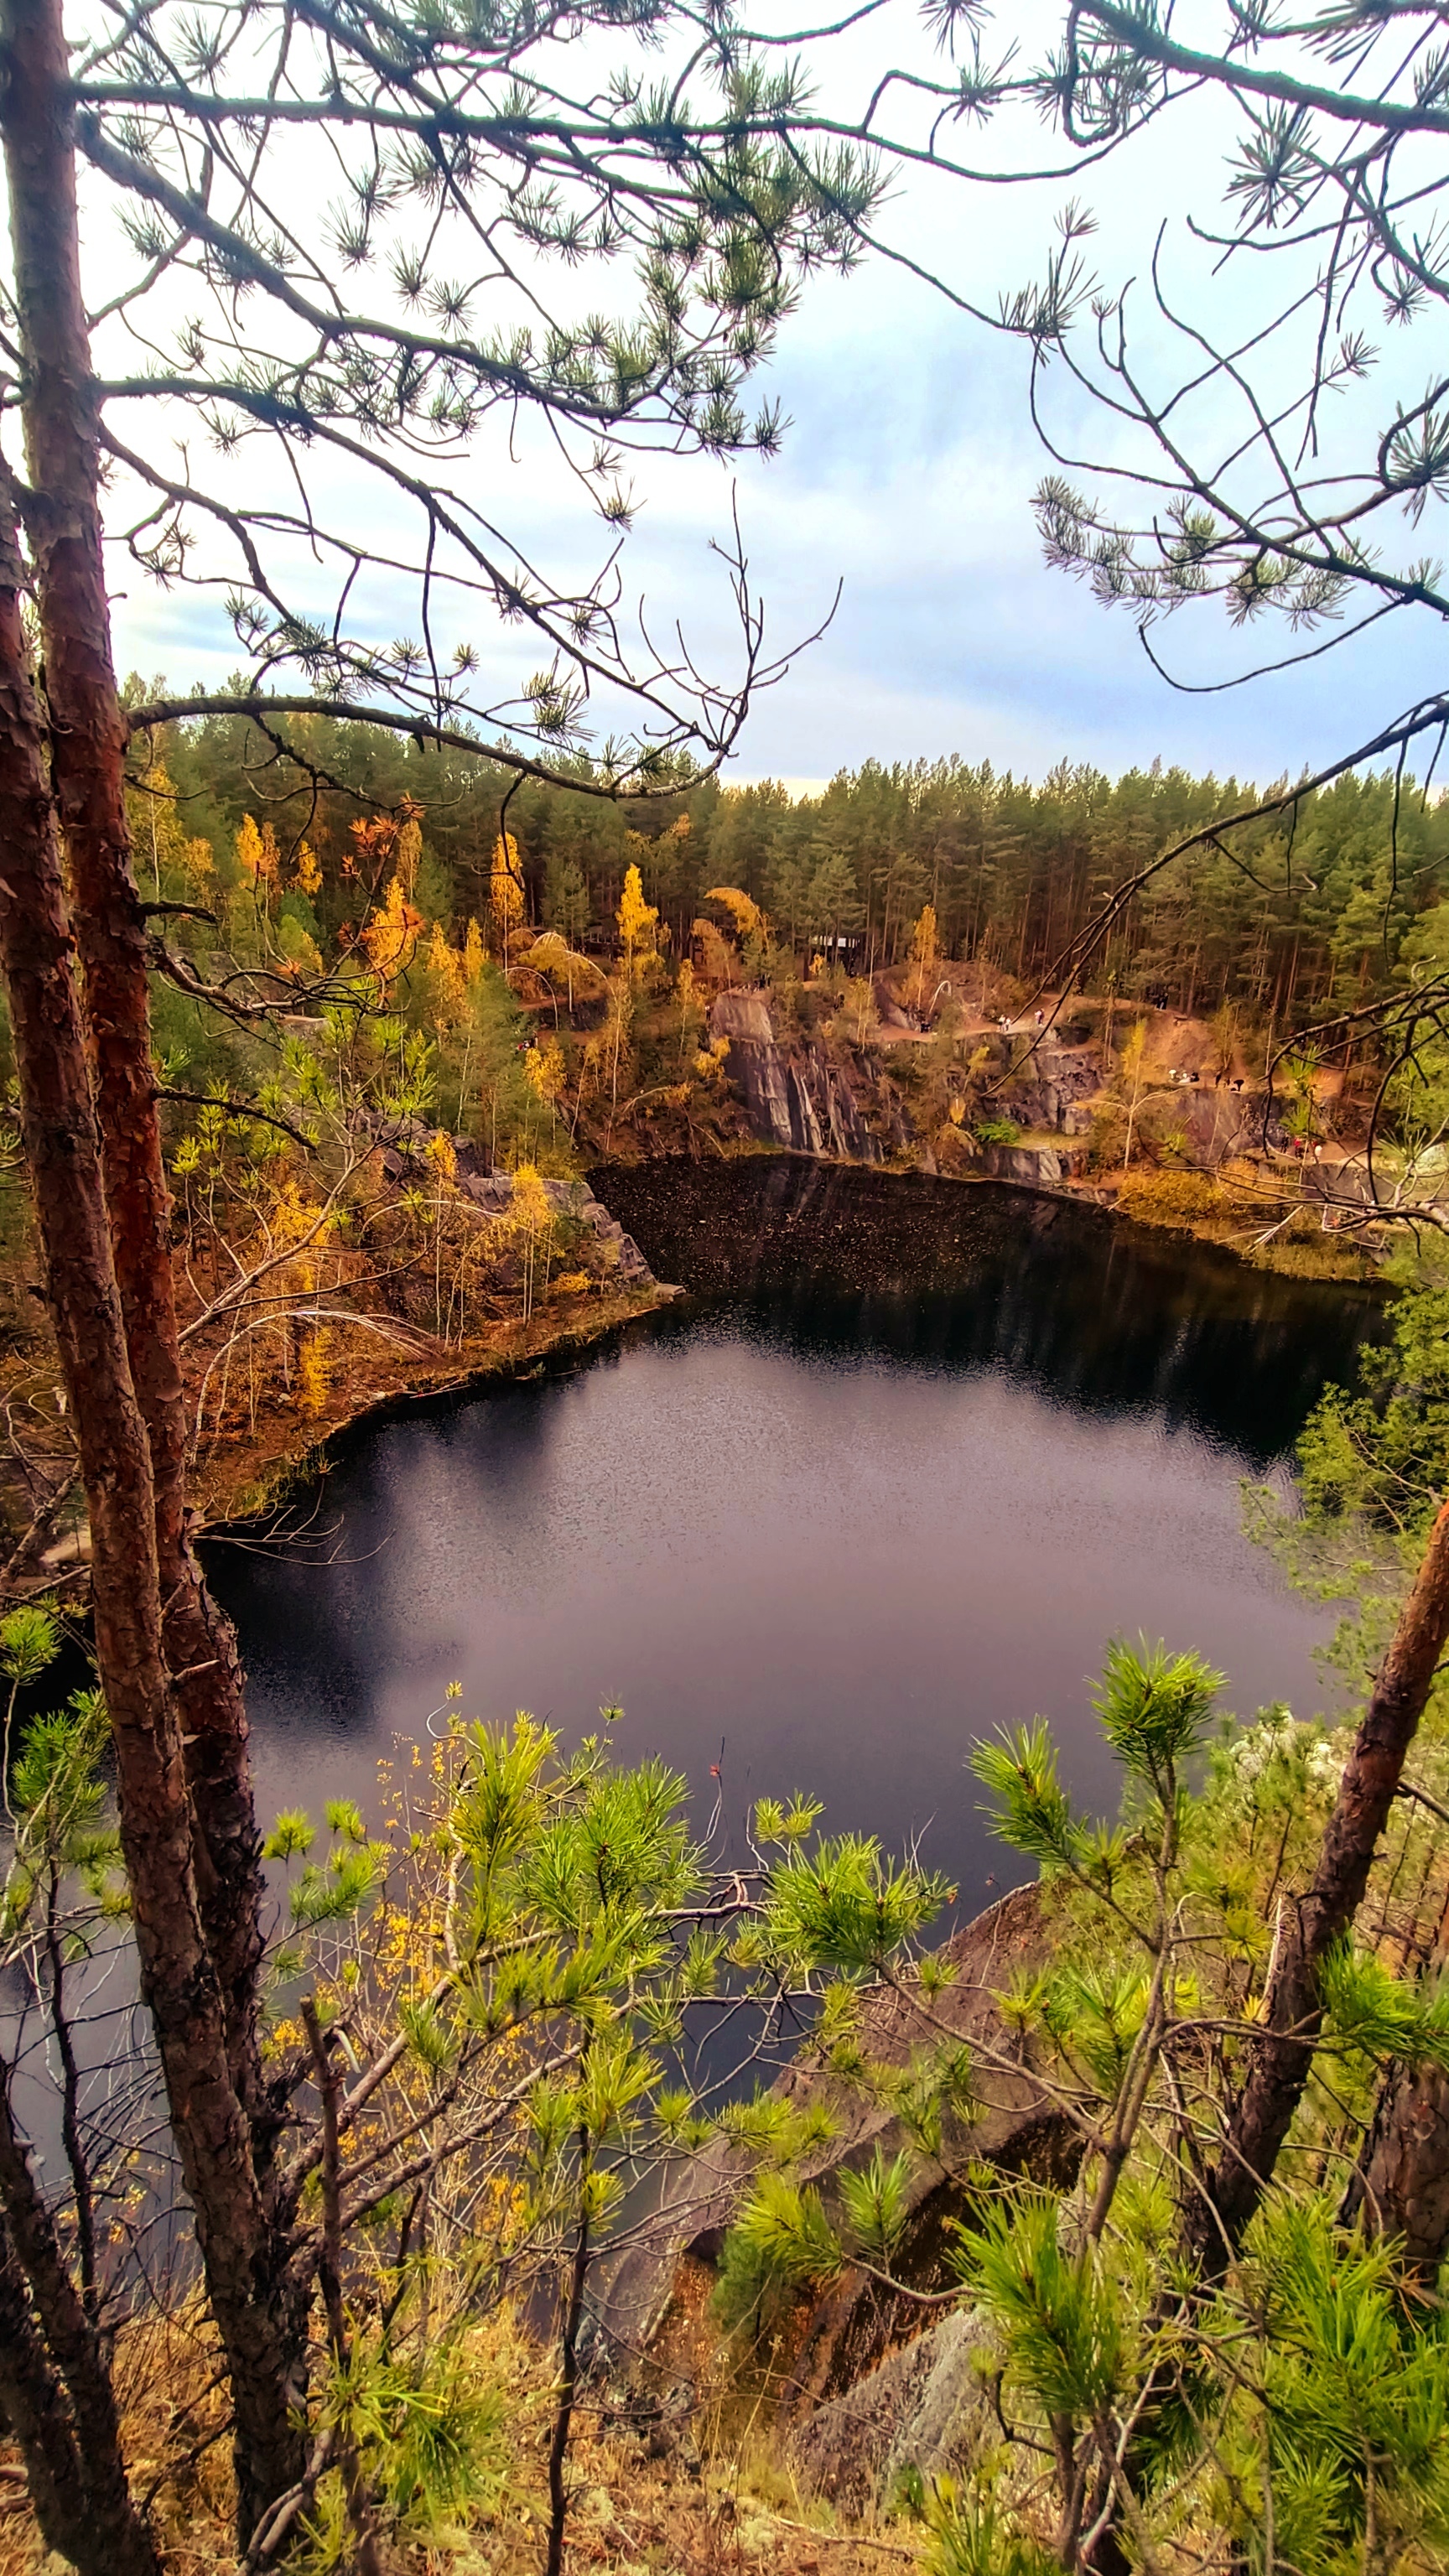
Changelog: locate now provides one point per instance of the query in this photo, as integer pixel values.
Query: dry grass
(724, 2509)
(1247, 1210)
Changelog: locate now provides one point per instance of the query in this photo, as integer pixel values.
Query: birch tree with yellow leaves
(637, 920)
(505, 891)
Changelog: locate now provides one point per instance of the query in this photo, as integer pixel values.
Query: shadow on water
(1096, 1315)
(907, 1458)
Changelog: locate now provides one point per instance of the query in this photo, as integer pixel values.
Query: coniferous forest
(1295, 915)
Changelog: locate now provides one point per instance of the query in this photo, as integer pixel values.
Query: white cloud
(907, 475)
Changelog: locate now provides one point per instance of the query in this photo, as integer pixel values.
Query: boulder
(404, 1142)
(1052, 1085)
(927, 2407)
(1038, 1167)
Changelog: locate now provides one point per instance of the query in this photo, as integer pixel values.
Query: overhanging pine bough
(449, 147)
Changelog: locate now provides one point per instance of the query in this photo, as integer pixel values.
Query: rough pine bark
(74, 2440)
(35, 2414)
(1310, 1923)
(177, 1975)
(1401, 2187)
(87, 751)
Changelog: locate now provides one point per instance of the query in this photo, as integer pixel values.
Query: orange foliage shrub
(1171, 1198)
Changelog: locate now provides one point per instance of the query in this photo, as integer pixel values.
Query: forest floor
(629, 2517)
(725, 2508)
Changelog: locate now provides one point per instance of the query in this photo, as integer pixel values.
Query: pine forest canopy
(1267, 374)
(1336, 905)
(339, 248)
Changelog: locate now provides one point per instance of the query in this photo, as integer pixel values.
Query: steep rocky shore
(1180, 1143)
(863, 1104)
(862, 2381)
(797, 1096)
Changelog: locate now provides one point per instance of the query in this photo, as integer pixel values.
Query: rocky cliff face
(860, 2390)
(1054, 1088)
(805, 1100)
(796, 1097)
(1020, 2129)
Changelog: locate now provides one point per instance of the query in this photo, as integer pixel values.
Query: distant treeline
(1278, 918)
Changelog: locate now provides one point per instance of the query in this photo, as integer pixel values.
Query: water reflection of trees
(1097, 1315)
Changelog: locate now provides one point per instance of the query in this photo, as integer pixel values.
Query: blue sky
(906, 475)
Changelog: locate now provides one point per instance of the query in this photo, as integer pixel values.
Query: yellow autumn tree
(544, 1069)
(858, 1019)
(505, 889)
(1134, 1071)
(257, 854)
(551, 956)
(473, 954)
(635, 917)
(617, 1022)
(446, 967)
(923, 949)
(744, 912)
(531, 1223)
(248, 848)
(307, 871)
(391, 936)
(685, 993)
(160, 847)
(410, 849)
(314, 1374)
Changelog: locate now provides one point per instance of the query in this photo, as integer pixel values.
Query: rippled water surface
(905, 1460)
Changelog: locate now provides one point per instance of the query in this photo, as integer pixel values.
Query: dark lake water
(906, 1459)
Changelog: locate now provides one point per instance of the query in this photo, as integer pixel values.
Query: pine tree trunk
(35, 2414)
(88, 741)
(1401, 2187)
(178, 1980)
(1310, 1923)
(105, 2535)
(1402, 2184)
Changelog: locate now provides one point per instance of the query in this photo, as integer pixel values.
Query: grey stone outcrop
(796, 1098)
(1018, 2128)
(926, 2408)
(404, 1142)
(1038, 1166)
